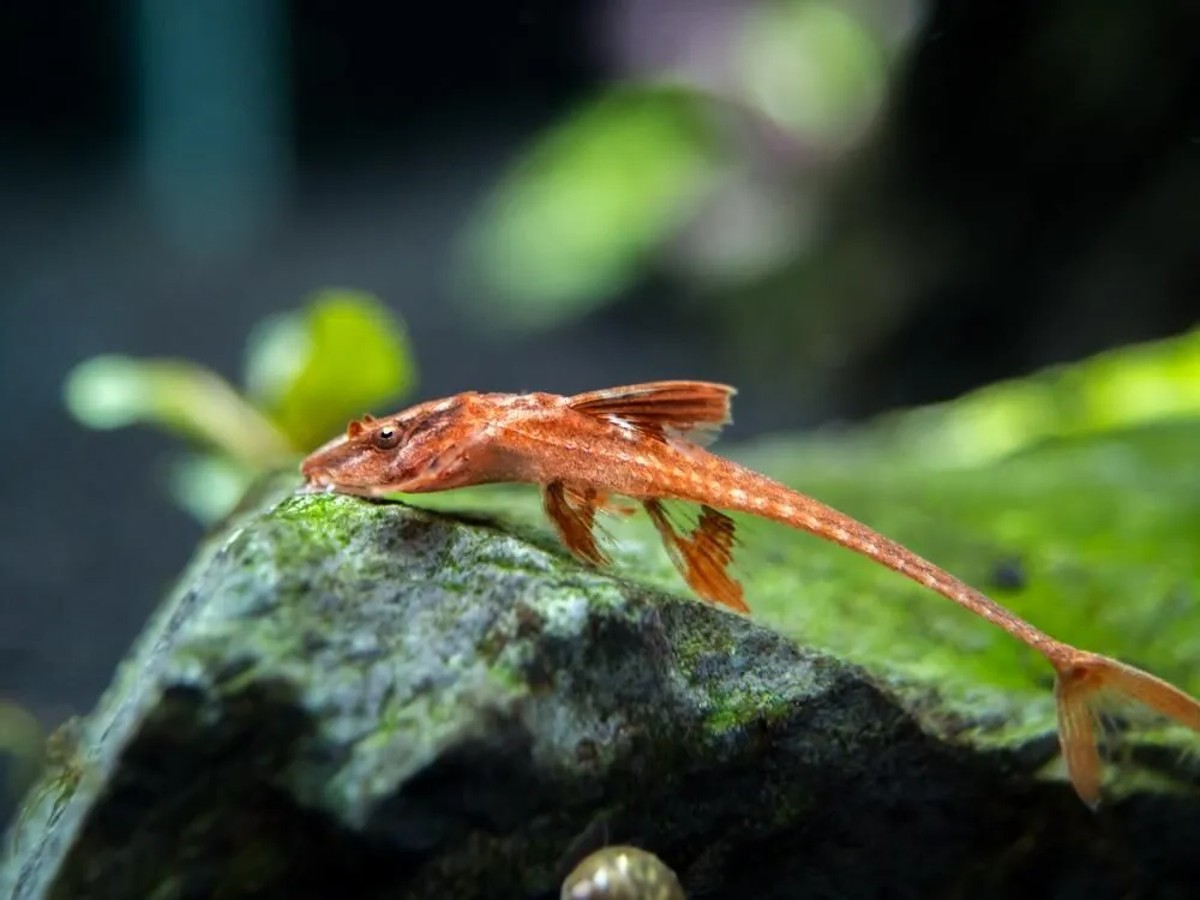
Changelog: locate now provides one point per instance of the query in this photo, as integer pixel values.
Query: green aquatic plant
(21, 741)
(306, 373)
(573, 221)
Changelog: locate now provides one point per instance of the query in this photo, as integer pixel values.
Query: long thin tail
(1083, 680)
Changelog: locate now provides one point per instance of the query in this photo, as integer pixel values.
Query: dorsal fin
(694, 410)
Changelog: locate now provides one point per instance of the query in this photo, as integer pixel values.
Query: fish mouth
(318, 480)
(316, 469)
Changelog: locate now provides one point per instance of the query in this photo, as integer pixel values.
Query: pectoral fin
(573, 513)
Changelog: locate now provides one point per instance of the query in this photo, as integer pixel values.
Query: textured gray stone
(346, 698)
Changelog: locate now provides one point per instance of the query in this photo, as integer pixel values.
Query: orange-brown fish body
(482, 438)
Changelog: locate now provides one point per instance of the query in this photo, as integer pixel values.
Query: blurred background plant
(844, 207)
(716, 164)
(306, 374)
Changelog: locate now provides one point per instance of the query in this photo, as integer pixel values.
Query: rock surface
(345, 698)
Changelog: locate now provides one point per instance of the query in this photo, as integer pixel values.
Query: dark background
(1040, 159)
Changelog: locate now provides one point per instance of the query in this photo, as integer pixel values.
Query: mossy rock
(352, 698)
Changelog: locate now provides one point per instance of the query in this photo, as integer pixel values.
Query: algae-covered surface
(1095, 540)
(373, 699)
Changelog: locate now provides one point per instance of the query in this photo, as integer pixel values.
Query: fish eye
(387, 437)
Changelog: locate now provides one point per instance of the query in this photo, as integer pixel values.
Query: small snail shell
(622, 873)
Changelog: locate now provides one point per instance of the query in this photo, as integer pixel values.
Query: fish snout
(316, 477)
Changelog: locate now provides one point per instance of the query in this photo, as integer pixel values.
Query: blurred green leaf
(116, 391)
(208, 486)
(1110, 392)
(1147, 384)
(579, 213)
(21, 739)
(314, 369)
(814, 68)
(307, 371)
(276, 352)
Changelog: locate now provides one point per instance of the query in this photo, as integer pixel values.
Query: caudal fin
(1083, 683)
